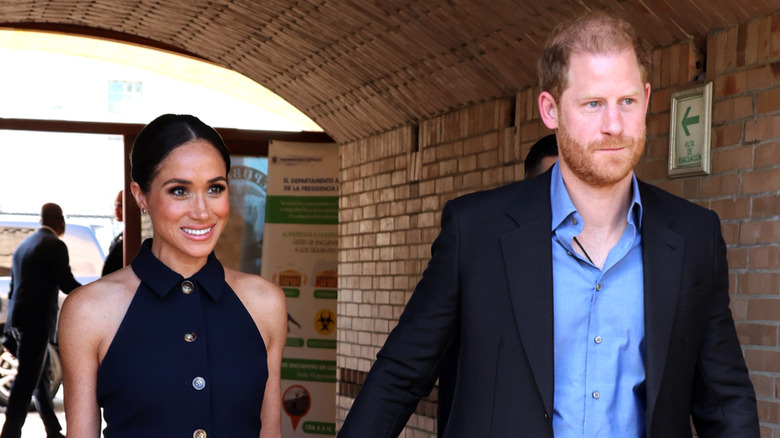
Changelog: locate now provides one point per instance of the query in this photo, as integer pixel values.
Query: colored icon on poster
(325, 322)
(296, 403)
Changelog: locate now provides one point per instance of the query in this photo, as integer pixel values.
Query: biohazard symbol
(325, 322)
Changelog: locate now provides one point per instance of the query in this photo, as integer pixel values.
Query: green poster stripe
(321, 343)
(319, 428)
(294, 342)
(326, 294)
(291, 292)
(309, 370)
(313, 210)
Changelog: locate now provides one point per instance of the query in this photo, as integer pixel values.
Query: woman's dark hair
(164, 134)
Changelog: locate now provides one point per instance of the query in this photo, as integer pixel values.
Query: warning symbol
(325, 321)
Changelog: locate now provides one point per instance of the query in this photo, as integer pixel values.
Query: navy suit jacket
(40, 268)
(488, 289)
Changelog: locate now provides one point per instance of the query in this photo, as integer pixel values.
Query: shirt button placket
(187, 287)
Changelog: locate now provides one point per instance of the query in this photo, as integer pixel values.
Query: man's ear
(548, 109)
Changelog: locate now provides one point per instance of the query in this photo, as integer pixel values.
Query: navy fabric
(157, 381)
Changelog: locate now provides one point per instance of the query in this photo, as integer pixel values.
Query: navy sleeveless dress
(187, 360)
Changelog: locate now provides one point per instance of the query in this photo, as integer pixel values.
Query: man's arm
(61, 267)
(723, 400)
(407, 365)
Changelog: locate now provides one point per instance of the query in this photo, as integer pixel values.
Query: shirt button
(200, 433)
(199, 383)
(598, 339)
(574, 220)
(189, 337)
(187, 287)
(598, 287)
(596, 395)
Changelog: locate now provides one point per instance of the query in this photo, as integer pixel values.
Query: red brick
(764, 335)
(660, 100)
(764, 76)
(737, 257)
(768, 101)
(762, 129)
(766, 206)
(727, 135)
(763, 385)
(759, 283)
(720, 185)
(737, 158)
(761, 181)
(730, 84)
(768, 154)
(768, 411)
(733, 108)
(765, 257)
(763, 360)
(731, 208)
(760, 232)
(730, 233)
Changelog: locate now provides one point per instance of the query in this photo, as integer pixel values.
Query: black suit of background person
(115, 260)
(542, 155)
(39, 270)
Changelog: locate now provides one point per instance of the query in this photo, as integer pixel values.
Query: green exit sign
(689, 135)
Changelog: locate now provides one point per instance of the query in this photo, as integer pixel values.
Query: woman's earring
(143, 211)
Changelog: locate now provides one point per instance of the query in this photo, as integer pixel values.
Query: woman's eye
(178, 191)
(217, 189)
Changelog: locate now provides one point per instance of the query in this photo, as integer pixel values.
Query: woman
(175, 345)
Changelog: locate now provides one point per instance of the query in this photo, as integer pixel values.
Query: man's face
(601, 117)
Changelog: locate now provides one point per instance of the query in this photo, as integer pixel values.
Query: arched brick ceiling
(359, 67)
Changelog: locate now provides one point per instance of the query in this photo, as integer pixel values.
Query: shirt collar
(161, 279)
(563, 208)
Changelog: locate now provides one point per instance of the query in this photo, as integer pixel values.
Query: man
(542, 155)
(632, 335)
(39, 270)
(115, 259)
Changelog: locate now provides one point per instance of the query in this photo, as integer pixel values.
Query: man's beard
(600, 172)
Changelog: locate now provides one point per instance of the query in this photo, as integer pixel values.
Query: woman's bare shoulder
(253, 285)
(104, 297)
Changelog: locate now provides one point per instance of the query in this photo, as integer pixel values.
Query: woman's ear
(548, 109)
(138, 195)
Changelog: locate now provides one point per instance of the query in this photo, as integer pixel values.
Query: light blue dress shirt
(598, 328)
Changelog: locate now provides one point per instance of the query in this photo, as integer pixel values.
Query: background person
(631, 336)
(115, 259)
(542, 155)
(40, 268)
(175, 344)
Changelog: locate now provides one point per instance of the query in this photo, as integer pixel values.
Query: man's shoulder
(658, 201)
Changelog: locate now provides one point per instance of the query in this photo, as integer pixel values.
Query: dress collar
(161, 279)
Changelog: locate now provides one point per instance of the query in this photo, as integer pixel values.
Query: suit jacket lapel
(527, 253)
(662, 252)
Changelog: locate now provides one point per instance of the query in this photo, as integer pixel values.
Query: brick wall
(395, 185)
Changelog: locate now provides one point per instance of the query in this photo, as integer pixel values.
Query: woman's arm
(267, 305)
(78, 342)
(276, 327)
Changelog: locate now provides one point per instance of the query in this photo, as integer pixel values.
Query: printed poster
(240, 246)
(300, 255)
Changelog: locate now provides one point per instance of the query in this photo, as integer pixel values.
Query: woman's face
(188, 204)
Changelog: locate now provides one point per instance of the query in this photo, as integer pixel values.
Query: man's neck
(603, 211)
